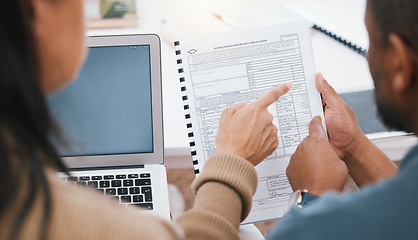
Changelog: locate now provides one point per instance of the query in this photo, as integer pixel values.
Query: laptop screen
(108, 108)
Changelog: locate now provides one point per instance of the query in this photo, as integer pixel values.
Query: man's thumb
(315, 127)
(329, 95)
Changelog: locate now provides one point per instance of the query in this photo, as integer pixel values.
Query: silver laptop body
(112, 122)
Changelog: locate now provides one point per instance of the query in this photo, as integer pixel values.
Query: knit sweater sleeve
(80, 213)
(224, 193)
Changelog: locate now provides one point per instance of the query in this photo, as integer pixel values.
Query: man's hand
(315, 166)
(246, 130)
(343, 130)
(366, 162)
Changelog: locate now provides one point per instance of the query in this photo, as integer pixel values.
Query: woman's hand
(246, 130)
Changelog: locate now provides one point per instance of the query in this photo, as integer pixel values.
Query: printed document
(219, 71)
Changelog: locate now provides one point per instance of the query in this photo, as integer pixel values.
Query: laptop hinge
(106, 168)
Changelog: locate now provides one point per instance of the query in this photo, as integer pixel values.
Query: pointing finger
(233, 109)
(238, 106)
(273, 95)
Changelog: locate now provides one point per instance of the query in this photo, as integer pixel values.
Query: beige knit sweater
(223, 191)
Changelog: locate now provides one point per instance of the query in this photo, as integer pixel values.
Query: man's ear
(402, 63)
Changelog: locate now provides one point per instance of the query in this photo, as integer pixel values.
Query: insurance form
(219, 71)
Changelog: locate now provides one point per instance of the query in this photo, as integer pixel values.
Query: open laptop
(112, 122)
(364, 105)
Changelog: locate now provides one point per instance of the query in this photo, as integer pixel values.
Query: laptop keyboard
(132, 189)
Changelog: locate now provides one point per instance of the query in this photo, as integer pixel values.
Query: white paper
(240, 66)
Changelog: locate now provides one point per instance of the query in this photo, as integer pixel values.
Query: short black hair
(397, 16)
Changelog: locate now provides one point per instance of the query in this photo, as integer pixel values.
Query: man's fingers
(329, 95)
(274, 94)
(315, 128)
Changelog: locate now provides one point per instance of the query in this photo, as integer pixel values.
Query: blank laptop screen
(108, 108)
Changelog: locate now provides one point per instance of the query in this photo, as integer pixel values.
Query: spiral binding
(354, 47)
(186, 108)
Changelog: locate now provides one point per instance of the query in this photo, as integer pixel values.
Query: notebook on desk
(111, 117)
(342, 20)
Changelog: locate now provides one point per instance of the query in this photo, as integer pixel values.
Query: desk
(343, 68)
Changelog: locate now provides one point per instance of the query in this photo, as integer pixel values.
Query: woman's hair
(25, 123)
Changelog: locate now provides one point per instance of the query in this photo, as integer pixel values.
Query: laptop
(112, 123)
(364, 105)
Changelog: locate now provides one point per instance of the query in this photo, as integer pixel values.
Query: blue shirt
(387, 210)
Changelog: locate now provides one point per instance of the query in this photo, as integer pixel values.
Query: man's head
(393, 60)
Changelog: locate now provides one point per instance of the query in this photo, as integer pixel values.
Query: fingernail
(289, 85)
(321, 76)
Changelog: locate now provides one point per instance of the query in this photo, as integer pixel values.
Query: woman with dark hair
(42, 48)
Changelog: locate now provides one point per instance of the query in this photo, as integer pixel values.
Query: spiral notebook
(342, 20)
(220, 70)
